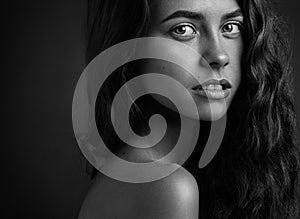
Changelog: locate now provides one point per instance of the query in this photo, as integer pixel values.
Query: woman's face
(213, 29)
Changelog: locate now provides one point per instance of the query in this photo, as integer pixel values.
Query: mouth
(213, 89)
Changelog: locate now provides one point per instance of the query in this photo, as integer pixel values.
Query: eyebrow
(199, 16)
(236, 13)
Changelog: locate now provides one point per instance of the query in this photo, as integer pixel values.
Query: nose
(214, 53)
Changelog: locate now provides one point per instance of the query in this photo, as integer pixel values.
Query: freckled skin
(221, 53)
(177, 195)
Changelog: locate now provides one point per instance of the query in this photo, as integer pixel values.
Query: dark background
(43, 173)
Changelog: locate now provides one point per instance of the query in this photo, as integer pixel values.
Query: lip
(225, 84)
(213, 94)
(217, 95)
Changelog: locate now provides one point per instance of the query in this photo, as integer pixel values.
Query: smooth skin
(212, 27)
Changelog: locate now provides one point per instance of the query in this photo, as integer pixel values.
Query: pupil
(181, 30)
(228, 28)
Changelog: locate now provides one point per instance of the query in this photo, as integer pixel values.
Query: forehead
(161, 8)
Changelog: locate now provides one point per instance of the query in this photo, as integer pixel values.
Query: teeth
(213, 87)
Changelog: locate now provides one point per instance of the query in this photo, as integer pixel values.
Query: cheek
(234, 72)
(179, 95)
(207, 111)
(168, 69)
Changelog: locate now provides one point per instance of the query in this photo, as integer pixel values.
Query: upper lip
(223, 82)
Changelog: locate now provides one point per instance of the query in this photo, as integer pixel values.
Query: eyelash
(228, 34)
(186, 25)
(238, 24)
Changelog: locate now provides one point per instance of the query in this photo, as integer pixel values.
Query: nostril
(215, 65)
(216, 58)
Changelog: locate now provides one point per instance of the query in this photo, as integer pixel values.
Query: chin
(209, 113)
(205, 110)
(213, 115)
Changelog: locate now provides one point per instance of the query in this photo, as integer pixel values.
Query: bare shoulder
(175, 196)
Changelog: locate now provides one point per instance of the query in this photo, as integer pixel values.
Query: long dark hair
(256, 171)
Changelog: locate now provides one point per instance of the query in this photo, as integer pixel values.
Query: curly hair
(255, 173)
(259, 164)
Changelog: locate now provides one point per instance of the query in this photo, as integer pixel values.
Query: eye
(232, 28)
(183, 31)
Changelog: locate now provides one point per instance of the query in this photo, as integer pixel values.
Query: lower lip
(213, 94)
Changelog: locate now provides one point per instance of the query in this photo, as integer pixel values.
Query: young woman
(244, 46)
